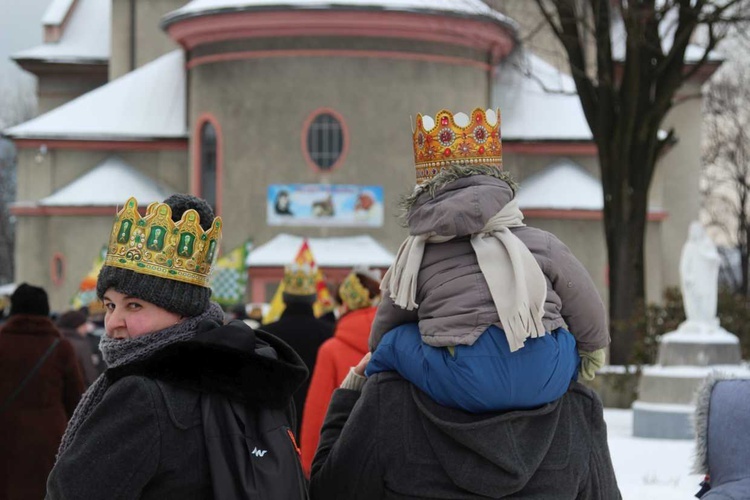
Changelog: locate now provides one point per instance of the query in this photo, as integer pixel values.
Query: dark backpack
(252, 453)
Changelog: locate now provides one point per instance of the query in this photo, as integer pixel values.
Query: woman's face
(128, 317)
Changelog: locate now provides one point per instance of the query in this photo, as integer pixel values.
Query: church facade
(296, 117)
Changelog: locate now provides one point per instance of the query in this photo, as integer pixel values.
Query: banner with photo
(333, 205)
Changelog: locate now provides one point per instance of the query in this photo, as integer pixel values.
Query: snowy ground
(649, 469)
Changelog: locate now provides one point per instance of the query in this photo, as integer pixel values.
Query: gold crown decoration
(353, 293)
(456, 139)
(157, 246)
(300, 279)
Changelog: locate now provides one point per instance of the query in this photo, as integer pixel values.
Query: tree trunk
(625, 212)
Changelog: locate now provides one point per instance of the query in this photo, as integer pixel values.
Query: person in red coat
(33, 415)
(358, 294)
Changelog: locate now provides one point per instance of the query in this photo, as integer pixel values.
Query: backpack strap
(30, 375)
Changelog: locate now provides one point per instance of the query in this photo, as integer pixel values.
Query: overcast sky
(20, 28)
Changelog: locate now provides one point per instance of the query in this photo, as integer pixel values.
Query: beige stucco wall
(678, 175)
(76, 238)
(56, 88)
(262, 104)
(150, 43)
(60, 167)
(72, 237)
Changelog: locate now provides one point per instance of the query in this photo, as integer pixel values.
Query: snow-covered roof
(110, 183)
(538, 102)
(148, 103)
(563, 185)
(56, 12)
(345, 251)
(450, 7)
(85, 38)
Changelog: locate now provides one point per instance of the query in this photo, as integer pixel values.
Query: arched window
(325, 140)
(57, 269)
(208, 163)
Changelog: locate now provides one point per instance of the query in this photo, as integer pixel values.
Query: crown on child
(456, 139)
(300, 279)
(157, 246)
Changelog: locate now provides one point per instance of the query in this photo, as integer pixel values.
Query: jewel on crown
(155, 245)
(300, 279)
(450, 139)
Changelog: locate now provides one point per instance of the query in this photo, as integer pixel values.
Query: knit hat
(29, 299)
(175, 296)
(71, 320)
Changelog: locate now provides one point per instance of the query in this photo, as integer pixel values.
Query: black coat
(391, 441)
(149, 438)
(299, 328)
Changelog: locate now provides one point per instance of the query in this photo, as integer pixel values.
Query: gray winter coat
(723, 442)
(455, 305)
(393, 442)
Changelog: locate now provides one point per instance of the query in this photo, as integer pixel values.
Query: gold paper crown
(299, 279)
(353, 293)
(157, 246)
(456, 139)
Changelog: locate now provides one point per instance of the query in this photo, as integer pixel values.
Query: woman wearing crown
(183, 395)
(470, 390)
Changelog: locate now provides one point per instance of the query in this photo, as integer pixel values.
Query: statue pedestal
(687, 356)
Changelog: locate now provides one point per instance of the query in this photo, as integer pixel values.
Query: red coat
(32, 426)
(335, 357)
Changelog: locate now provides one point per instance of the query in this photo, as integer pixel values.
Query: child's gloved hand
(590, 362)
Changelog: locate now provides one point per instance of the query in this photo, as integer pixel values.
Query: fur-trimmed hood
(246, 365)
(721, 420)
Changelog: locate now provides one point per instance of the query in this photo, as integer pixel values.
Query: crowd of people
(454, 375)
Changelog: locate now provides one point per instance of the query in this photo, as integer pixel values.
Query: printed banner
(336, 205)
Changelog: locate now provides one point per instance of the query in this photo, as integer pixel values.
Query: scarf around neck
(126, 351)
(515, 280)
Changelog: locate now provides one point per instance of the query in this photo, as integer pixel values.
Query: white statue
(699, 270)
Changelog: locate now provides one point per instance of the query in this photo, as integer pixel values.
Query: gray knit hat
(176, 296)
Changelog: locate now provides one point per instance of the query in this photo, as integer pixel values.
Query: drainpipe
(132, 34)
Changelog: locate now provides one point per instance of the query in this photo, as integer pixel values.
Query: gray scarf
(516, 282)
(123, 352)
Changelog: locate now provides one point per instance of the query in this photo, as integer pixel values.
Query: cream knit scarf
(516, 282)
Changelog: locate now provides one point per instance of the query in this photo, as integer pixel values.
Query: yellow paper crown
(456, 139)
(299, 279)
(157, 246)
(353, 293)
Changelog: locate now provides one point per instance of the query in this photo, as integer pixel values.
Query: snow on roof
(148, 103)
(85, 38)
(563, 185)
(538, 102)
(110, 183)
(56, 12)
(450, 7)
(347, 251)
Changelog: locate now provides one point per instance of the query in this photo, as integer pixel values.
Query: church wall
(76, 239)
(59, 167)
(261, 106)
(150, 43)
(679, 172)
